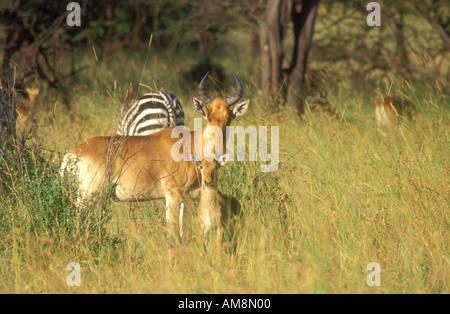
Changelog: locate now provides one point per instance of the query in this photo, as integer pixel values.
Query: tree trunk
(304, 20)
(8, 113)
(271, 35)
(401, 50)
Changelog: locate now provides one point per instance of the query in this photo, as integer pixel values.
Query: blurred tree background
(284, 38)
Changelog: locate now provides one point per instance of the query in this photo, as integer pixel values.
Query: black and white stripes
(150, 113)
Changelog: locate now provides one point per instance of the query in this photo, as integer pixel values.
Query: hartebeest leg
(185, 218)
(173, 202)
(206, 222)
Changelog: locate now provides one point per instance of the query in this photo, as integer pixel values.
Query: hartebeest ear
(200, 107)
(241, 108)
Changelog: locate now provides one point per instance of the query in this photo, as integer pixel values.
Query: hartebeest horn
(230, 100)
(202, 91)
(238, 94)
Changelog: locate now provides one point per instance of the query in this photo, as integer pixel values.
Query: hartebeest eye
(222, 160)
(195, 160)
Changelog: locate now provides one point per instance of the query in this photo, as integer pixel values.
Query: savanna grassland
(345, 194)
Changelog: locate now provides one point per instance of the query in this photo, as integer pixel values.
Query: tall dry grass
(345, 195)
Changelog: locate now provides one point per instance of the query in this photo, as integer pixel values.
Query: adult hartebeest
(142, 167)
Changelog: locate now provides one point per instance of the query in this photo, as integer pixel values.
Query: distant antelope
(142, 168)
(387, 111)
(150, 113)
(25, 112)
(216, 212)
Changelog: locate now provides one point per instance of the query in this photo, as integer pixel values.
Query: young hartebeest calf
(142, 168)
(216, 212)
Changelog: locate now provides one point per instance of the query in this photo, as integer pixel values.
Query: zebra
(150, 113)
